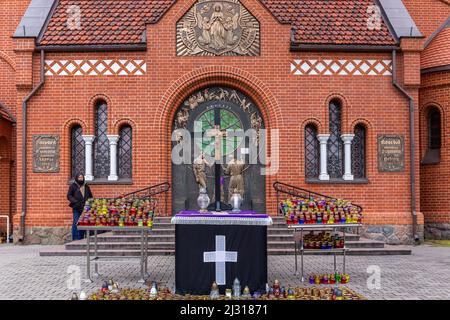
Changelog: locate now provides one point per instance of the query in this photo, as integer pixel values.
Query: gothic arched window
(433, 153)
(125, 152)
(101, 142)
(434, 129)
(312, 152)
(77, 150)
(335, 145)
(359, 152)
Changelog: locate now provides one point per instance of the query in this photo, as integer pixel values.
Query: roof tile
(109, 22)
(330, 21)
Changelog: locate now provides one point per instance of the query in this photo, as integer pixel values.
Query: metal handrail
(151, 191)
(302, 193)
(7, 227)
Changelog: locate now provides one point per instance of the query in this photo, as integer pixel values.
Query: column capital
(88, 139)
(348, 137)
(323, 138)
(113, 138)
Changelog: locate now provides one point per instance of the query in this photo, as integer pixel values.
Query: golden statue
(199, 167)
(235, 169)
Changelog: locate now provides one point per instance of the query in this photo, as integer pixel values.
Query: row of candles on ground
(335, 278)
(323, 240)
(274, 292)
(118, 213)
(110, 291)
(324, 211)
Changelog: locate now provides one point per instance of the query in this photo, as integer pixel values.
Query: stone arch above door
(198, 79)
(228, 109)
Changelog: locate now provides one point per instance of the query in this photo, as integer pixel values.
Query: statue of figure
(235, 168)
(205, 25)
(245, 106)
(230, 25)
(217, 28)
(199, 168)
(256, 123)
(194, 100)
(182, 118)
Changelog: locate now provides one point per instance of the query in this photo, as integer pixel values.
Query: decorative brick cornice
(93, 67)
(341, 67)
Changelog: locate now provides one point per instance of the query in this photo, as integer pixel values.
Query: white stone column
(113, 139)
(323, 139)
(88, 141)
(347, 138)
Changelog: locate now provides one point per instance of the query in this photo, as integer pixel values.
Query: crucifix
(220, 257)
(218, 136)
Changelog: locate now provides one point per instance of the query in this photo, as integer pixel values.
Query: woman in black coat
(78, 193)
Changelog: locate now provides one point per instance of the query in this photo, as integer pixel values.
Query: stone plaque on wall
(391, 153)
(45, 153)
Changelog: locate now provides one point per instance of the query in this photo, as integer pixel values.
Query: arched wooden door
(227, 109)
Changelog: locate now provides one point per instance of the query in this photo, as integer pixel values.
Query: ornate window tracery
(312, 152)
(125, 152)
(335, 144)
(101, 142)
(359, 152)
(77, 150)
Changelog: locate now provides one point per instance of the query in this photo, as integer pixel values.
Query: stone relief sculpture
(219, 94)
(221, 27)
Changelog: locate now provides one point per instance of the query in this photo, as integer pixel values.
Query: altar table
(220, 247)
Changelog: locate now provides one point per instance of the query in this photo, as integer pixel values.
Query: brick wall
(11, 12)
(435, 192)
(287, 103)
(5, 171)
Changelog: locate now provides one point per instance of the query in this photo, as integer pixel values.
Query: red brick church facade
(133, 59)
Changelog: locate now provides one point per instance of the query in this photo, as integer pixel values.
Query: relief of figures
(222, 27)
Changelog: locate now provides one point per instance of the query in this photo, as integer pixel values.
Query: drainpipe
(24, 146)
(412, 166)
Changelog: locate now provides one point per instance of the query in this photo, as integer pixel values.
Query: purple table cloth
(222, 218)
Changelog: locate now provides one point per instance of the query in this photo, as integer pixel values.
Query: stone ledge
(391, 234)
(45, 235)
(437, 231)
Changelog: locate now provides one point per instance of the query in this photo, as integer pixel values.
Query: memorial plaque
(45, 153)
(391, 153)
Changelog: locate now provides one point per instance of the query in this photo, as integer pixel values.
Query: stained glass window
(335, 145)
(228, 121)
(359, 152)
(77, 151)
(125, 156)
(312, 153)
(101, 142)
(434, 129)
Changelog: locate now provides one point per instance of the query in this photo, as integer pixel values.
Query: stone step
(388, 250)
(162, 244)
(163, 225)
(61, 252)
(125, 246)
(109, 237)
(133, 238)
(158, 230)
